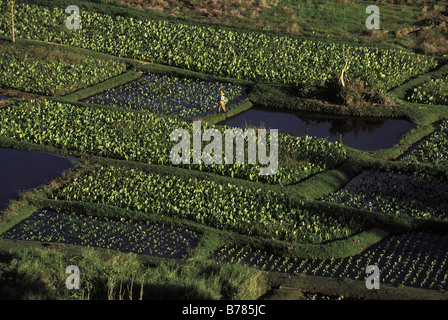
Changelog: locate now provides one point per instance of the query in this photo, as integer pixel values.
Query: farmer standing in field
(222, 102)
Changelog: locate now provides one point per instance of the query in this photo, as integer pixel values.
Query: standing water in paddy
(172, 96)
(24, 170)
(363, 133)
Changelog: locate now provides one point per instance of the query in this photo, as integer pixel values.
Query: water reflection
(363, 133)
(22, 170)
(341, 126)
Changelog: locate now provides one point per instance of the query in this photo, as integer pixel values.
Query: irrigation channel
(362, 133)
(24, 170)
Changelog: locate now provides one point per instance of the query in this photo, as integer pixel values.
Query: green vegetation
(173, 96)
(431, 150)
(126, 211)
(35, 70)
(410, 259)
(435, 91)
(39, 273)
(144, 137)
(396, 194)
(227, 207)
(415, 25)
(251, 56)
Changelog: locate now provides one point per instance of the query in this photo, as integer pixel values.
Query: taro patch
(418, 259)
(398, 194)
(172, 96)
(144, 137)
(124, 236)
(252, 56)
(22, 170)
(433, 91)
(35, 70)
(433, 150)
(247, 211)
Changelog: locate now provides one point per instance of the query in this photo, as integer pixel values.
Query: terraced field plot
(21, 171)
(124, 236)
(127, 196)
(171, 96)
(433, 149)
(418, 259)
(145, 137)
(33, 69)
(433, 91)
(247, 211)
(396, 194)
(244, 55)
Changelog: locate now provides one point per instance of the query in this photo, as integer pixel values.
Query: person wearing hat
(222, 102)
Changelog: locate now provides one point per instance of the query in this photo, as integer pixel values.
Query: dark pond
(363, 133)
(24, 170)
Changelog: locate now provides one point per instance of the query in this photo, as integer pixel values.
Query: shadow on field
(173, 292)
(17, 286)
